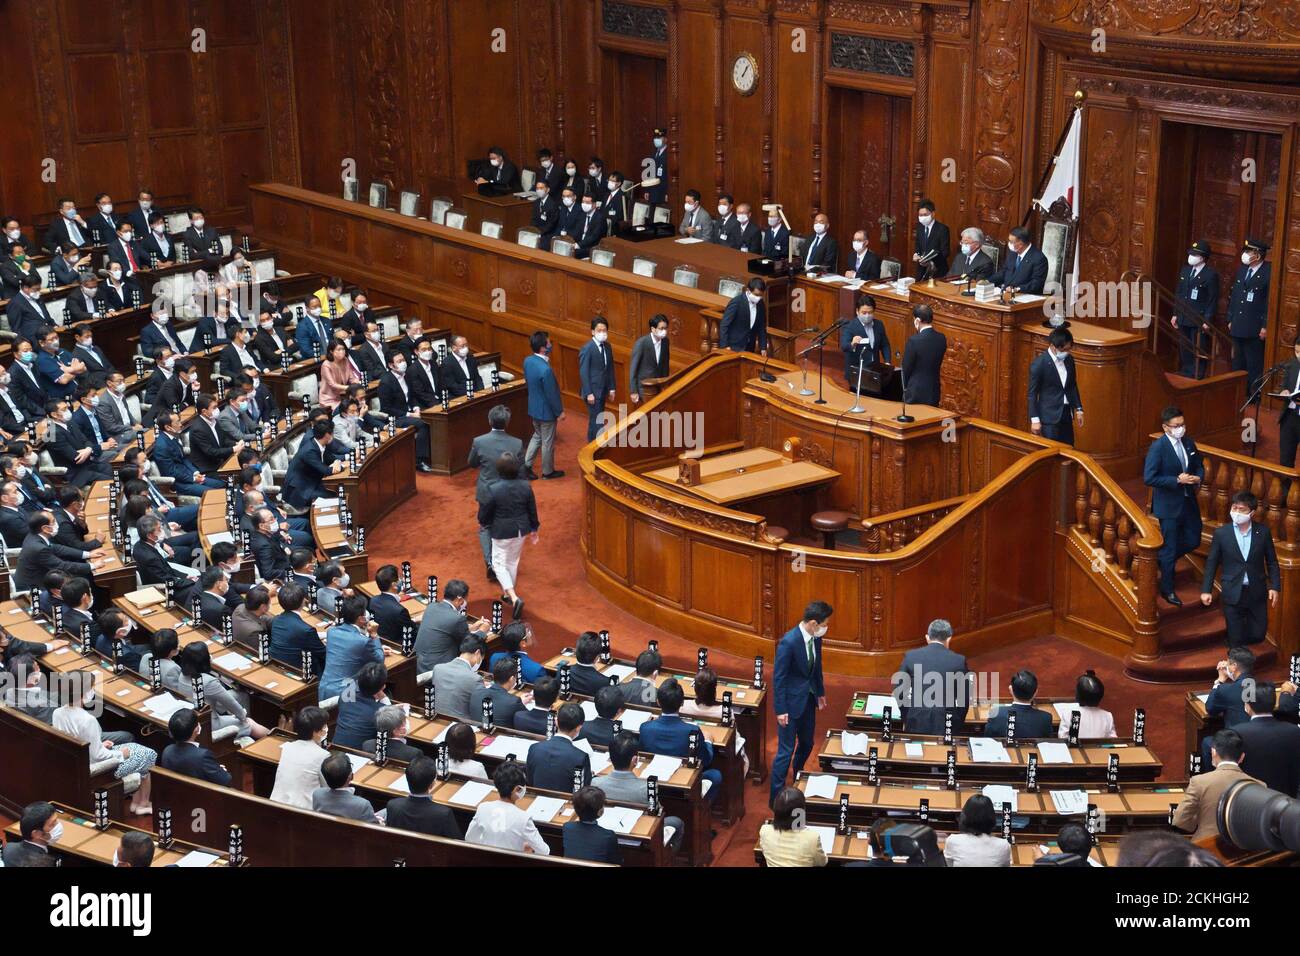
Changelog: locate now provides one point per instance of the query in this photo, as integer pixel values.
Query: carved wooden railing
(1276, 487)
(895, 530)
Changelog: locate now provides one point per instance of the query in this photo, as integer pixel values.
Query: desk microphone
(763, 374)
(904, 417)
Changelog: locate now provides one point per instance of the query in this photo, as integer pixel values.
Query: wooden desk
(512, 212)
(86, 844)
(747, 475)
(864, 713)
(382, 482)
(452, 432)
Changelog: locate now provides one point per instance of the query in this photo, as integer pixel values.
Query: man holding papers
(798, 692)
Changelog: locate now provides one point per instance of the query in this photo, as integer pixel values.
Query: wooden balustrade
(1227, 473)
(890, 532)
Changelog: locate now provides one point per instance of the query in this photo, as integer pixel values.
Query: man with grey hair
(392, 720)
(483, 455)
(932, 682)
(863, 263)
(971, 261)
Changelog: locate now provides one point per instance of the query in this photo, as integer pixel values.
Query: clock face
(744, 74)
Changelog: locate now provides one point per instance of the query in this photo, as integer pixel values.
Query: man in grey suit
(444, 627)
(114, 415)
(234, 424)
(504, 703)
(695, 223)
(624, 786)
(649, 356)
(483, 455)
(456, 680)
(933, 681)
(338, 799)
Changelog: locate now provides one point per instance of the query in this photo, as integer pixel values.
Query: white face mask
(106, 208)
(314, 313)
(65, 416)
(724, 210)
(198, 224)
(56, 832)
(753, 298)
(344, 581)
(373, 336)
(819, 228)
(1195, 260)
(94, 401)
(600, 336)
(161, 318)
(612, 186)
(571, 170)
(13, 234)
(593, 171)
(495, 162)
(426, 355)
(968, 249)
(1178, 432)
(128, 236)
(1246, 258)
(858, 245)
(689, 206)
(541, 195)
(267, 325)
(463, 351)
(1240, 518)
(70, 213)
(194, 378)
(547, 164)
(659, 334)
(587, 207)
(568, 200)
(774, 221)
(169, 363)
(399, 367)
(821, 631)
(159, 229)
(742, 217)
(659, 142)
(116, 274)
(925, 220)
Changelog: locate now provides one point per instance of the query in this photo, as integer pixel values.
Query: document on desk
(232, 662)
(853, 744)
(661, 767)
(503, 746)
(1028, 297)
(618, 671)
(221, 537)
(876, 704)
(832, 278)
(599, 761)
(324, 504)
(1203, 697)
(688, 241)
(358, 761)
(913, 749)
(1064, 709)
(327, 521)
(399, 784)
(827, 836)
(633, 719)
(822, 785)
(164, 705)
(589, 710)
(1069, 802)
(197, 859)
(620, 819)
(471, 793)
(988, 750)
(183, 569)
(1054, 752)
(544, 809)
(1001, 794)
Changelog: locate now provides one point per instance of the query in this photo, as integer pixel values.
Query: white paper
(443, 734)
(400, 784)
(1203, 697)
(544, 809)
(323, 504)
(232, 662)
(197, 858)
(164, 705)
(618, 671)
(503, 746)
(661, 767)
(988, 750)
(832, 277)
(221, 537)
(327, 521)
(598, 763)
(689, 240)
(633, 719)
(827, 836)
(1054, 752)
(1070, 801)
(876, 704)
(358, 761)
(186, 570)
(853, 744)
(620, 819)
(1028, 297)
(471, 793)
(1000, 793)
(1064, 709)
(589, 710)
(822, 785)
(911, 749)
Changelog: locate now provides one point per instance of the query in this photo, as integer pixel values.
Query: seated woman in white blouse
(298, 776)
(76, 721)
(976, 845)
(501, 823)
(705, 703)
(460, 751)
(1094, 723)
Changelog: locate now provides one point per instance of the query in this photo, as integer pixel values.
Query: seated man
(304, 481)
(643, 689)
(546, 690)
(670, 735)
(337, 797)
(135, 850)
(515, 637)
(600, 730)
(398, 401)
(585, 838)
(583, 677)
(186, 755)
(1030, 721)
(39, 826)
(69, 448)
(356, 720)
(392, 719)
(504, 703)
(291, 635)
(270, 549)
(623, 785)
(209, 449)
(418, 812)
(169, 455)
(155, 560)
(455, 680)
(387, 608)
(554, 763)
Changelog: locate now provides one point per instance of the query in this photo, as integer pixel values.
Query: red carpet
(437, 532)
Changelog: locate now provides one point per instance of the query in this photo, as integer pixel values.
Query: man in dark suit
(585, 838)
(649, 356)
(304, 480)
(1271, 746)
(13, 520)
(498, 177)
(118, 292)
(158, 249)
(615, 208)
(104, 221)
(208, 449)
(67, 264)
(1236, 679)
(390, 719)
(24, 386)
(69, 448)
(1030, 721)
(26, 312)
(548, 171)
(73, 532)
(1054, 403)
(143, 211)
(504, 703)
(387, 608)
(798, 692)
(594, 183)
(68, 226)
(212, 330)
(925, 670)
(971, 260)
(186, 755)
(932, 242)
(600, 729)
(1196, 302)
(546, 213)
(270, 343)
(596, 371)
(201, 240)
(418, 812)
(744, 321)
(923, 359)
(552, 763)
(397, 400)
(169, 455)
(1248, 313)
(291, 635)
(657, 194)
(862, 262)
(15, 269)
(1252, 579)
(357, 710)
(822, 253)
(726, 228)
(749, 237)
(125, 252)
(584, 678)
(90, 354)
(157, 333)
(1173, 470)
(39, 826)
(863, 340)
(533, 720)
(459, 368)
(14, 418)
(176, 391)
(85, 422)
(153, 558)
(40, 555)
(776, 237)
(587, 228)
(1025, 267)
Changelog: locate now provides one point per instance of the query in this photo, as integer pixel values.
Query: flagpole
(1056, 151)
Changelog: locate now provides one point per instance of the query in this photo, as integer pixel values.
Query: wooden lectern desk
(452, 432)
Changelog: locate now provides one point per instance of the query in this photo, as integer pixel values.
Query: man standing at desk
(649, 356)
(546, 215)
(798, 692)
(744, 322)
(863, 340)
(923, 358)
(1173, 470)
(932, 242)
(596, 368)
(1054, 403)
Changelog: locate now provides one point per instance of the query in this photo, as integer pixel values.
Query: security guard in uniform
(1248, 313)
(659, 194)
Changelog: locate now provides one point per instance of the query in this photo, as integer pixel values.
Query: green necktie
(810, 652)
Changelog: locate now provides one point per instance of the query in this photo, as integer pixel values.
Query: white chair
(390, 326)
(440, 344)
(486, 369)
(306, 385)
(640, 213)
(186, 337)
(797, 244)
(455, 219)
(662, 214)
(527, 180)
(562, 247)
(379, 195)
(644, 267)
(529, 238)
(438, 209)
(890, 268)
(602, 257)
(177, 222)
(730, 287)
(264, 269)
(351, 189)
(686, 276)
(44, 273)
(409, 203)
(227, 244)
(133, 406)
(57, 309)
(490, 229)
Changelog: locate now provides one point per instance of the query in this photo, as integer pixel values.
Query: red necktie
(130, 256)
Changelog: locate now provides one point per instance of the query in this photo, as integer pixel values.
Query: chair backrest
(264, 269)
(133, 405)
(602, 257)
(562, 247)
(662, 214)
(351, 188)
(44, 273)
(527, 180)
(890, 268)
(186, 337)
(529, 238)
(455, 219)
(56, 308)
(797, 244)
(993, 250)
(178, 221)
(644, 267)
(438, 209)
(390, 325)
(490, 229)
(685, 275)
(640, 213)
(440, 345)
(409, 203)
(1053, 241)
(379, 195)
(730, 287)
(227, 244)
(305, 385)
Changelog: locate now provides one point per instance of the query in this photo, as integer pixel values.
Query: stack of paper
(1070, 801)
(853, 744)
(988, 750)
(827, 836)
(822, 785)
(400, 784)
(232, 662)
(1001, 794)
(1064, 709)
(620, 819)
(544, 809)
(618, 671)
(913, 749)
(661, 767)
(164, 705)
(471, 793)
(589, 710)
(327, 521)
(221, 537)
(1054, 752)
(503, 746)
(633, 719)
(324, 504)
(358, 761)
(198, 859)
(599, 761)
(689, 240)
(876, 704)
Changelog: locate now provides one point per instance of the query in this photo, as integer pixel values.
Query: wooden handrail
(1275, 487)
(1219, 340)
(888, 532)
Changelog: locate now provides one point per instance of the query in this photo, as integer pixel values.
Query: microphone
(904, 417)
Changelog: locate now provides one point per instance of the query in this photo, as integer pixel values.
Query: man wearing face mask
(169, 455)
(587, 228)
(594, 184)
(200, 238)
(1197, 295)
(798, 691)
(460, 368)
(157, 333)
(547, 213)
(1054, 403)
(125, 252)
(1173, 471)
(696, 223)
(1025, 267)
(56, 368)
(549, 172)
(88, 352)
(85, 421)
(545, 407)
(178, 391)
(422, 376)
(658, 194)
(726, 229)
(863, 340)
(649, 356)
(314, 331)
(158, 249)
(39, 826)
(139, 216)
(971, 261)
(498, 176)
(12, 233)
(596, 370)
(1251, 580)
(615, 207)
(397, 401)
(67, 227)
(932, 242)
(1248, 313)
(863, 263)
(270, 343)
(744, 321)
(369, 356)
(15, 269)
(68, 263)
(24, 387)
(13, 419)
(104, 222)
(117, 292)
(776, 237)
(748, 237)
(236, 356)
(41, 555)
(26, 312)
(822, 253)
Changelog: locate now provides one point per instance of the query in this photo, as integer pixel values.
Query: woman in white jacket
(75, 720)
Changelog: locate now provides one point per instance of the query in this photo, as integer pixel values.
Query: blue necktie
(94, 427)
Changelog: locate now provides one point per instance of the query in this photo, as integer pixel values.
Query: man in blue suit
(671, 736)
(356, 723)
(931, 683)
(56, 368)
(552, 763)
(744, 322)
(186, 755)
(863, 340)
(313, 332)
(1024, 268)
(169, 456)
(156, 334)
(1054, 402)
(1173, 470)
(304, 480)
(544, 406)
(596, 369)
(1030, 721)
(584, 838)
(291, 635)
(798, 691)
